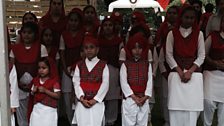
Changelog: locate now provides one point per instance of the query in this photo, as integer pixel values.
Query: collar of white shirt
(185, 31)
(91, 63)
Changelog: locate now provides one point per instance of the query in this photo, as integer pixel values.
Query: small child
(46, 92)
(91, 83)
(136, 83)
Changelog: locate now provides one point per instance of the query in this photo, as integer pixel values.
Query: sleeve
(14, 96)
(162, 68)
(169, 50)
(44, 52)
(126, 89)
(150, 58)
(57, 56)
(208, 43)
(122, 56)
(62, 43)
(148, 91)
(76, 82)
(57, 87)
(11, 54)
(201, 50)
(104, 86)
(155, 61)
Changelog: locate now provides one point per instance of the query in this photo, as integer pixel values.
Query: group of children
(91, 67)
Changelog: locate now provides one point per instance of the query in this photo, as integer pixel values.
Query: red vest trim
(90, 82)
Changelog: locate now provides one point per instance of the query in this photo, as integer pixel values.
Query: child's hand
(84, 102)
(34, 89)
(143, 99)
(13, 110)
(136, 99)
(41, 89)
(187, 76)
(92, 102)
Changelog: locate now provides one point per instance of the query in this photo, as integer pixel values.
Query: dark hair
(197, 2)
(33, 26)
(46, 61)
(62, 1)
(42, 34)
(188, 8)
(209, 7)
(32, 14)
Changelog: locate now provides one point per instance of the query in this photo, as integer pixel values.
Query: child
(55, 20)
(160, 40)
(213, 77)
(91, 22)
(70, 46)
(27, 17)
(46, 92)
(185, 53)
(109, 44)
(25, 55)
(136, 83)
(118, 23)
(91, 83)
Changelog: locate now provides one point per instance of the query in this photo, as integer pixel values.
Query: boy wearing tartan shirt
(136, 83)
(91, 83)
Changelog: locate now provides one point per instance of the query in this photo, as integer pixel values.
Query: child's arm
(162, 67)
(104, 86)
(53, 94)
(76, 82)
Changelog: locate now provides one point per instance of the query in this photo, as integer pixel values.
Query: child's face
(188, 19)
(197, 7)
(47, 37)
(108, 27)
(73, 22)
(172, 15)
(89, 14)
(28, 35)
(137, 51)
(28, 18)
(117, 26)
(43, 69)
(56, 6)
(90, 50)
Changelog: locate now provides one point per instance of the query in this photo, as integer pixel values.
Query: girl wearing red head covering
(54, 19)
(25, 55)
(109, 44)
(91, 22)
(70, 47)
(118, 23)
(46, 92)
(213, 77)
(185, 53)
(136, 83)
(91, 83)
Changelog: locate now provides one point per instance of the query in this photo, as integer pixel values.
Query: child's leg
(220, 114)
(209, 110)
(142, 116)
(129, 112)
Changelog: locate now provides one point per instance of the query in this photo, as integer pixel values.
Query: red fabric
(138, 16)
(24, 55)
(72, 42)
(53, 52)
(140, 39)
(109, 50)
(217, 46)
(183, 45)
(91, 81)
(43, 98)
(116, 16)
(204, 20)
(161, 34)
(54, 69)
(163, 3)
(57, 27)
(137, 75)
(89, 38)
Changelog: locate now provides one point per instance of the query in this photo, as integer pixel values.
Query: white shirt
(44, 52)
(170, 43)
(14, 96)
(126, 89)
(213, 24)
(208, 43)
(104, 85)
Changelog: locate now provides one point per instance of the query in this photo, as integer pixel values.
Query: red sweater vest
(73, 46)
(44, 98)
(90, 82)
(216, 51)
(26, 59)
(185, 49)
(137, 76)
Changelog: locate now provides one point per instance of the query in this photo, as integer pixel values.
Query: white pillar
(4, 77)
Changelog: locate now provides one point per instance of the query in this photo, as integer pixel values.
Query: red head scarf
(116, 16)
(138, 16)
(142, 41)
(89, 38)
